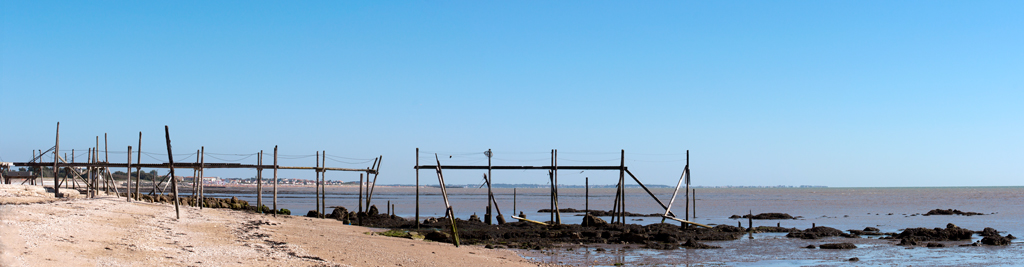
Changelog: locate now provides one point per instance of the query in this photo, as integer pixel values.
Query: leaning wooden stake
(448, 210)
(170, 160)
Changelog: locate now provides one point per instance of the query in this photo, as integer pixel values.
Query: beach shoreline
(109, 231)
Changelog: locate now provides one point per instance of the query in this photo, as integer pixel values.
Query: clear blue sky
(837, 93)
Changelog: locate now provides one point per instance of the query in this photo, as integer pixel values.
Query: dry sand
(108, 231)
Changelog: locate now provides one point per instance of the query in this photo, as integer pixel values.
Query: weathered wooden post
(128, 180)
(514, 201)
(170, 160)
(275, 181)
(586, 198)
(360, 192)
(444, 193)
(316, 182)
(323, 186)
(622, 186)
(259, 182)
(56, 149)
(487, 215)
(558, 214)
(138, 169)
(687, 217)
(202, 173)
(694, 196)
(417, 188)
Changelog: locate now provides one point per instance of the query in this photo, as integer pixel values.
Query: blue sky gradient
(837, 93)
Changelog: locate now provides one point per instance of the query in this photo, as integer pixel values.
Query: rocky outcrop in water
(838, 246)
(951, 212)
(819, 232)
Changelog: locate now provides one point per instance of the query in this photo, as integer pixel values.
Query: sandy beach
(109, 231)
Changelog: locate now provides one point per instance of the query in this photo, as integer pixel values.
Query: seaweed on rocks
(697, 245)
(819, 232)
(953, 233)
(995, 240)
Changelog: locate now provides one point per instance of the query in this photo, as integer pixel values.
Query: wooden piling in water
(174, 183)
(687, 216)
(586, 198)
(694, 195)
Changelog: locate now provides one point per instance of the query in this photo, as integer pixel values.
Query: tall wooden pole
(106, 159)
(275, 181)
(694, 196)
(417, 188)
(202, 173)
(323, 186)
(259, 182)
(195, 176)
(558, 214)
(622, 186)
(360, 193)
(687, 217)
(174, 182)
(317, 182)
(487, 218)
(586, 196)
(138, 170)
(128, 180)
(56, 149)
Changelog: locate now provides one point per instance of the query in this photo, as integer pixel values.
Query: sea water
(889, 209)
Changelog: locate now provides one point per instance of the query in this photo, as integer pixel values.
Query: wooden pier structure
(95, 175)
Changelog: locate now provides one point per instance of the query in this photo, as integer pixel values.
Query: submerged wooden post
(275, 181)
(170, 160)
(56, 149)
(694, 196)
(417, 188)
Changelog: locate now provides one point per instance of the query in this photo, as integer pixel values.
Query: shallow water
(842, 208)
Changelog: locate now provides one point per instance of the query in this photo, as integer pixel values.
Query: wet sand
(108, 231)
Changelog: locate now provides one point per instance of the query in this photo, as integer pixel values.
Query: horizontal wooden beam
(188, 165)
(560, 167)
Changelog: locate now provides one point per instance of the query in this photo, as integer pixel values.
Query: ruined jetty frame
(97, 170)
(618, 209)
